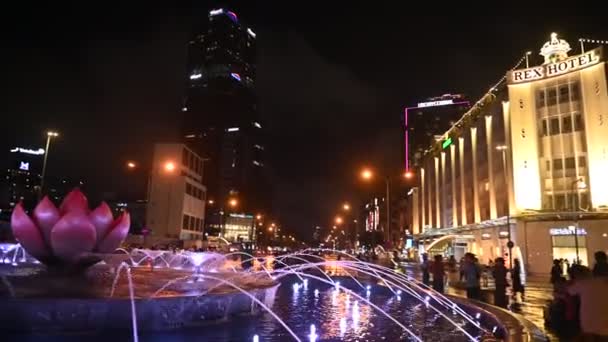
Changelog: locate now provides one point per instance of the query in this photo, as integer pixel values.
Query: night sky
(331, 81)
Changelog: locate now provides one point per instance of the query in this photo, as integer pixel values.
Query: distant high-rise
(221, 121)
(428, 120)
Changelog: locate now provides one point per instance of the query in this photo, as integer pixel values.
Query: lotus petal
(117, 234)
(46, 215)
(73, 235)
(27, 233)
(75, 201)
(102, 219)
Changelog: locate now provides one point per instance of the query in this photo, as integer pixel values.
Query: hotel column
(430, 197)
(415, 212)
(453, 178)
(491, 151)
(507, 126)
(443, 191)
(422, 203)
(463, 194)
(477, 216)
(437, 194)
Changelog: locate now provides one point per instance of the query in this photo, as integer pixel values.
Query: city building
(427, 121)
(22, 179)
(221, 121)
(527, 164)
(239, 228)
(176, 207)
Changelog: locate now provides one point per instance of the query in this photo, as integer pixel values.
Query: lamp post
(49, 136)
(503, 149)
(367, 174)
(578, 184)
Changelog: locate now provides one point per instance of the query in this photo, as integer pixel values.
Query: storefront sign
(28, 151)
(567, 231)
(555, 69)
(435, 103)
(486, 236)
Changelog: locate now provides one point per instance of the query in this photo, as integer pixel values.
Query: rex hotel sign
(555, 69)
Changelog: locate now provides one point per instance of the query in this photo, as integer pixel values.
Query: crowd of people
(580, 304)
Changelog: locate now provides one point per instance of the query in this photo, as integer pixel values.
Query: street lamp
(169, 166)
(258, 217)
(346, 206)
(367, 175)
(339, 220)
(131, 165)
(210, 202)
(49, 136)
(408, 175)
(510, 244)
(579, 184)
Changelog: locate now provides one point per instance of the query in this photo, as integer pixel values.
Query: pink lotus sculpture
(71, 234)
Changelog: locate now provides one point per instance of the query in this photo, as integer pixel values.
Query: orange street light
(258, 217)
(408, 175)
(270, 229)
(346, 206)
(272, 224)
(169, 166)
(233, 202)
(210, 202)
(367, 174)
(131, 165)
(338, 220)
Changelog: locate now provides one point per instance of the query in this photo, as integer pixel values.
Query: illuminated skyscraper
(220, 111)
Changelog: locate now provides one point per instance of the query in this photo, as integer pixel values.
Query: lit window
(232, 129)
(257, 124)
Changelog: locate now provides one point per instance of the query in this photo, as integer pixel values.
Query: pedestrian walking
(499, 272)
(425, 267)
(518, 286)
(600, 269)
(472, 274)
(556, 271)
(438, 274)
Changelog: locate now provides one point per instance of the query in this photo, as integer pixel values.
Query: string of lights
(593, 41)
(484, 99)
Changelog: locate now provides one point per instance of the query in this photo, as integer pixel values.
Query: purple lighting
(232, 16)
(236, 76)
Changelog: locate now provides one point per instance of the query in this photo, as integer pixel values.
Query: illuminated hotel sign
(555, 69)
(39, 151)
(567, 231)
(435, 103)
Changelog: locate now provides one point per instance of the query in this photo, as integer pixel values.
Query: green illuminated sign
(446, 143)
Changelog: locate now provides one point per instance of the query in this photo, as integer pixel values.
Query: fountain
(74, 280)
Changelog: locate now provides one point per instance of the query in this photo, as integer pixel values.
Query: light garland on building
(473, 113)
(593, 41)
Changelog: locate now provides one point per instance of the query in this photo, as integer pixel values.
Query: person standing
(600, 269)
(472, 274)
(593, 312)
(518, 285)
(438, 274)
(499, 272)
(556, 271)
(426, 276)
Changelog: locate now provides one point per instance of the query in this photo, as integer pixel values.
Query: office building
(22, 179)
(176, 207)
(527, 163)
(221, 121)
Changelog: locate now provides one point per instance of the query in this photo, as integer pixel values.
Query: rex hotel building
(529, 161)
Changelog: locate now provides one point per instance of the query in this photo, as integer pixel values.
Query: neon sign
(24, 166)
(446, 143)
(435, 103)
(37, 152)
(566, 231)
(236, 76)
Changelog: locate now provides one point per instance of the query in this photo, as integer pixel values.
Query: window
(185, 222)
(560, 202)
(540, 98)
(548, 165)
(567, 124)
(189, 189)
(554, 126)
(544, 128)
(582, 162)
(551, 97)
(570, 164)
(558, 164)
(578, 122)
(575, 92)
(564, 94)
(185, 157)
